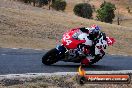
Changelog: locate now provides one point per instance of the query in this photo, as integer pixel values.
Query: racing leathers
(91, 41)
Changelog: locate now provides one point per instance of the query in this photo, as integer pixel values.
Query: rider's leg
(85, 61)
(99, 53)
(83, 49)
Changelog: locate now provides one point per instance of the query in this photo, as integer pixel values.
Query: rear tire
(50, 57)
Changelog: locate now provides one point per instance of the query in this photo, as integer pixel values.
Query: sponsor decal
(83, 78)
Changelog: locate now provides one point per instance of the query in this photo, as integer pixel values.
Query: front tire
(50, 57)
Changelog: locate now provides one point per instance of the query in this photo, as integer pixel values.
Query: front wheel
(50, 57)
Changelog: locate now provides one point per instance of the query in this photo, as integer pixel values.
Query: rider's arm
(96, 40)
(104, 35)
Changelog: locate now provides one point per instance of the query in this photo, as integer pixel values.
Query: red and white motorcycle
(68, 50)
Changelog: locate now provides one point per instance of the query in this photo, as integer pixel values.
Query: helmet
(95, 30)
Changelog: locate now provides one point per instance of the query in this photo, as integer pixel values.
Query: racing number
(66, 39)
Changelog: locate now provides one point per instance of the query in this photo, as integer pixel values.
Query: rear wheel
(50, 57)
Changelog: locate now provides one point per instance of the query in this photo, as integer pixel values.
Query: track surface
(19, 61)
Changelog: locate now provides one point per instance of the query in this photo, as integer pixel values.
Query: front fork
(61, 51)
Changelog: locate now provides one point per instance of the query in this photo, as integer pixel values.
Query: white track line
(14, 48)
(28, 49)
(3, 54)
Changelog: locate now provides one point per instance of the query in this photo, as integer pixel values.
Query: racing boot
(85, 62)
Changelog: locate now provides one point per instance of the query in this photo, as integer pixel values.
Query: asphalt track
(20, 61)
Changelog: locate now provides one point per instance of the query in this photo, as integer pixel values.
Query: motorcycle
(68, 50)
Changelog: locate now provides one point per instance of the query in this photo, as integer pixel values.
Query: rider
(93, 34)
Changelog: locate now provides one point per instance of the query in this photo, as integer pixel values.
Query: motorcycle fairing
(69, 42)
(110, 40)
